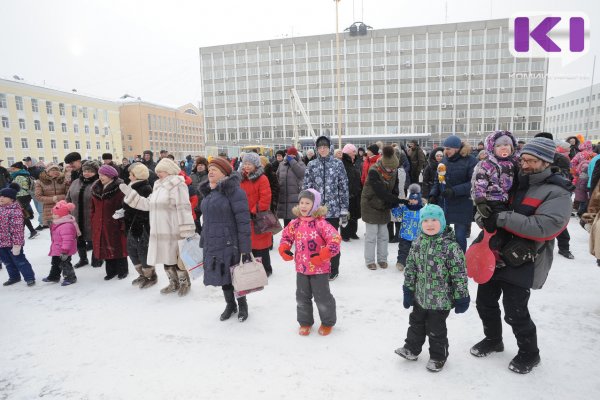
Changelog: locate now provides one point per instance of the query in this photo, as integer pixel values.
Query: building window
(66, 144)
(129, 137)
(8, 144)
(5, 123)
(63, 127)
(95, 114)
(107, 145)
(34, 105)
(88, 145)
(87, 129)
(85, 114)
(61, 109)
(76, 128)
(97, 145)
(74, 111)
(36, 125)
(77, 145)
(24, 144)
(48, 107)
(106, 132)
(2, 100)
(40, 143)
(51, 126)
(19, 102)
(96, 130)
(22, 124)
(52, 144)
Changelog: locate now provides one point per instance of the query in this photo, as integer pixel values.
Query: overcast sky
(150, 48)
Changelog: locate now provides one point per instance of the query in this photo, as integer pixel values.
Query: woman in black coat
(225, 233)
(430, 170)
(354, 192)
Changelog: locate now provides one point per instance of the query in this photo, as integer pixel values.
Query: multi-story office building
(575, 113)
(47, 124)
(147, 126)
(426, 82)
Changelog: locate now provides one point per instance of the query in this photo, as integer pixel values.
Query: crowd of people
(425, 201)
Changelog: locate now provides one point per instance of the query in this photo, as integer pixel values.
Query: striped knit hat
(541, 148)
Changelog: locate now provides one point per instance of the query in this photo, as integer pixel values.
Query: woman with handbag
(258, 190)
(226, 232)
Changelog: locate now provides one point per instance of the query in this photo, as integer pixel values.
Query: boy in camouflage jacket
(435, 281)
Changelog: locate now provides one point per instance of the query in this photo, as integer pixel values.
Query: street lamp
(337, 74)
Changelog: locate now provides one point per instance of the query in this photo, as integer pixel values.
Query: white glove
(344, 217)
(125, 189)
(120, 213)
(16, 250)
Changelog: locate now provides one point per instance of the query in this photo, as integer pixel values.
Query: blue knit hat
(432, 211)
(453, 142)
(541, 148)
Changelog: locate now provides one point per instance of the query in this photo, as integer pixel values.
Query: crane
(297, 106)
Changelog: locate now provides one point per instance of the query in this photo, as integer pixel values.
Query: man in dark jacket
(148, 161)
(4, 176)
(539, 211)
(354, 190)
(417, 159)
(74, 161)
(454, 195)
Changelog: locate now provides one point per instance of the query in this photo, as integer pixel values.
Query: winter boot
(68, 272)
(487, 347)
(304, 330)
(140, 278)
(96, 263)
(243, 304)
(325, 330)
(524, 363)
(231, 307)
(184, 282)
(435, 365)
(123, 269)
(150, 277)
(406, 353)
(83, 260)
(171, 271)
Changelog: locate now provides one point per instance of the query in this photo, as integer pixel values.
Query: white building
(575, 113)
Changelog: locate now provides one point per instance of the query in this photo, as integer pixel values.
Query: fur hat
(452, 142)
(252, 158)
(414, 192)
(91, 165)
(107, 156)
(291, 151)
(72, 157)
(222, 164)
(440, 152)
(19, 165)
(109, 171)
(167, 165)
(140, 171)
(62, 208)
(52, 166)
(11, 191)
(389, 159)
(373, 148)
(313, 196)
(432, 211)
(349, 149)
(280, 153)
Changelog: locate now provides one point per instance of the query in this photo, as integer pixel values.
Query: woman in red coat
(257, 188)
(108, 234)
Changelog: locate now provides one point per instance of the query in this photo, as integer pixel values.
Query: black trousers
(563, 240)
(335, 261)
(516, 314)
(428, 323)
(57, 266)
(286, 222)
(116, 266)
(266, 259)
(391, 226)
(349, 230)
(403, 249)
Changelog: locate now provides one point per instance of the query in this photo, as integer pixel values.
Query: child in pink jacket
(63, 232)
(316, 242)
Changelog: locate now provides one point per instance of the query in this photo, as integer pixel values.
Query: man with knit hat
(540, 210)
(354, 190)
(326, 174)
(454, 195)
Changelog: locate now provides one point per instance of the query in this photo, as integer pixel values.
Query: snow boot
(524, 363)
(304, 330)
(67, 282)
(325, 330)
(435, 365)
(400, 266)
(96, 263)
(243, 304)
(83, 260)
(382, 265)
(487, 347)
(184, 282)
(231, 307)
(171, 271)
(11, 282)
(406, 353)
(141, 277)
(150, 277)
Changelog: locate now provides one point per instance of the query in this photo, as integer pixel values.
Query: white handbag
(248, 275)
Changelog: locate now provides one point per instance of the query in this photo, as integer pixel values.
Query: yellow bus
(262, 150)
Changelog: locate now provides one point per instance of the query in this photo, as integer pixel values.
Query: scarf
(67, 219)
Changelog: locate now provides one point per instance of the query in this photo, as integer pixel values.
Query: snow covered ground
(109, 340)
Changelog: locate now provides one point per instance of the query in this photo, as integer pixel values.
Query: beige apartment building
(148, 126)
(46, 124)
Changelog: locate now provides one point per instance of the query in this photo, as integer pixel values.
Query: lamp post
(337, 74)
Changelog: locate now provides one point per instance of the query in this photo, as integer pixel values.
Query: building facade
(575, 113)
(425, 82)
(147, 126)
(46, 124)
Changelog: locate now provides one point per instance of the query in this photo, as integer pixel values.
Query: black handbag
(518, 251)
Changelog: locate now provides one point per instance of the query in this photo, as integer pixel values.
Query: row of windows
(160, 123)
(66, 144)
(38, 127)
(19, 104)
(578, 128)
(574, 114)
(573, 102)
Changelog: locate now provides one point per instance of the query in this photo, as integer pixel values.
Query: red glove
(286, 253)
(321, 257)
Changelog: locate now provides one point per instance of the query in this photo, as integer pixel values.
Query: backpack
(30, 186)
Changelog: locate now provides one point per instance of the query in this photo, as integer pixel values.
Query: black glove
(490, 223)
(409, 297)
(483, 208)
(432, 200)
(246, 257)
(448, 193)
(64, 257)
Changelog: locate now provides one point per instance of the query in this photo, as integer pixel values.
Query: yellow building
(47, 124)
(148, 126)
